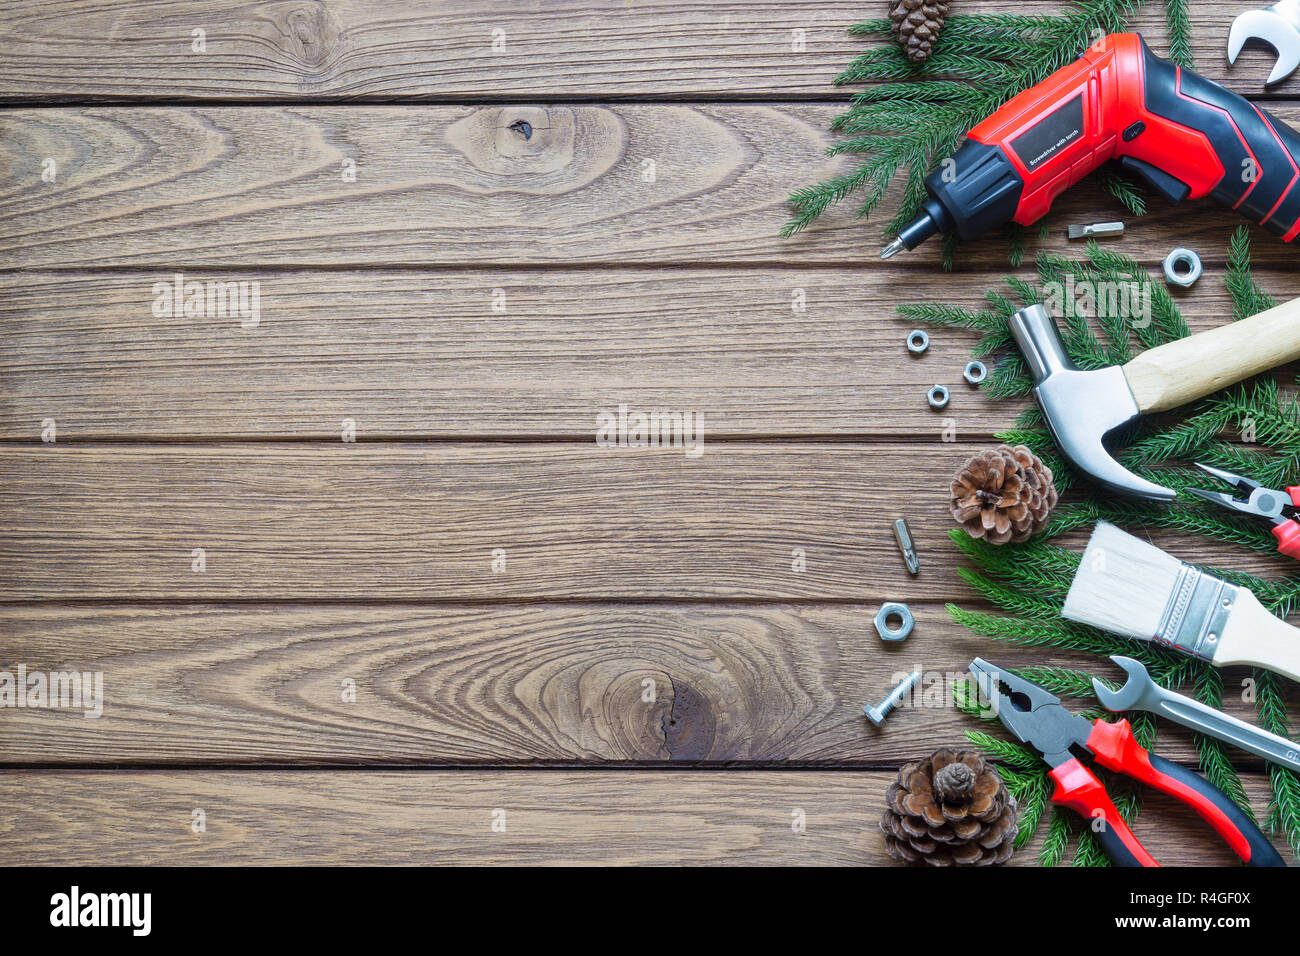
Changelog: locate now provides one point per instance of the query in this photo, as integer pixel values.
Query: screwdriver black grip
(1260, 154)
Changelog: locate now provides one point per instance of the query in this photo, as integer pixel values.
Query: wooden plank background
(405, 49)
(428, 818)
(643, 676)
(459, 186)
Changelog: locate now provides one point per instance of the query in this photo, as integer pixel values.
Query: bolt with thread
(878, 713)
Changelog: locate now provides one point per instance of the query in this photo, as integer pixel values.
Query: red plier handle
(1115, 748)
(1288, 532)
(1078, 788)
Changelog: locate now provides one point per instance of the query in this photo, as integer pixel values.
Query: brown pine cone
(917, 24)
(950, 809)
(1003, 495)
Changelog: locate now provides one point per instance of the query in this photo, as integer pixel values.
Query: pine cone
(950, 809)
(917, 24)
(1003, 495)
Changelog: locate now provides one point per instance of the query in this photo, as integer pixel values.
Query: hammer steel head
(1081, 408)
(1131, 695)
(1279, 27)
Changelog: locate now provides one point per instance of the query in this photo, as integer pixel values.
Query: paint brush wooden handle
(1255, 637)
(1176, 373)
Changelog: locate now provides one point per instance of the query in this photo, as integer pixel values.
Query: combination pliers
(1065, 741)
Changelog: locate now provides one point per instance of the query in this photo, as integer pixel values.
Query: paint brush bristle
(1122, 585)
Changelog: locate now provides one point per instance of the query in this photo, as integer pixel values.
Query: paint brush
(1126, 586)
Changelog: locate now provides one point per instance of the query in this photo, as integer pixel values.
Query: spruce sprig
(1026, 584)
(916, 114)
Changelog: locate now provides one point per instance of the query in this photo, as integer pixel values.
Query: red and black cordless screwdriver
(1186, 136)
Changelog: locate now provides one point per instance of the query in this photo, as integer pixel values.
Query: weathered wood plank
(446, 817)
(343, 49)
(756, 353)
(381, 521)
(187, 187)
(500, 685)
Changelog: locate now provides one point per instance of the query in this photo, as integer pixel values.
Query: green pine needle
(1129, 194)
(1013, 755)
(1247, 297)
(1179, 24)
(1061, 681)
(1058, 838)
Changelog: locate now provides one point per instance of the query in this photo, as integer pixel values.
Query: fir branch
(1019, 244)
(1047, 572)
(1180, 439)
(1218, 769)
(881, 26)
(1166, 322)
(941, 315)
(1004, 752)
(1144, 731)
(1023, 606)
(1284, 810)
(950, 244)
(1269, 704)
(1062, 681)
(811, 201)
(922, 90)
(1032, 801)
(1026, 293)
(1010, 378)
(1179, 24)
(1065, 636)
(1129, 194)
(889, 62)
(967, 700)
(1057, 840)
(1247, 297)
(1088, 852)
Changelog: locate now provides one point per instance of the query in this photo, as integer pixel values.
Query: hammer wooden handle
(1176, 373)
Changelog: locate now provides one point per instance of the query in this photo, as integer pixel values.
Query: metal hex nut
(976, 372)
(1183, 267)
(903, 614)
(918, 340)
(938, 396)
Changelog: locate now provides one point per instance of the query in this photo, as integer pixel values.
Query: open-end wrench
(1279, 27)
(1140, 692)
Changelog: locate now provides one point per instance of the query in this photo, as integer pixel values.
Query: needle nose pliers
(1064, 740)
(1280, 507)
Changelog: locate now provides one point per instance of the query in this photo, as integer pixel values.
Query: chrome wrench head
(1278, 27)
(1138, 693)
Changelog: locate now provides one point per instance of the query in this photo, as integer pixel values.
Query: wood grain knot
(567, 147)
(309, 33)
(690, 725)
